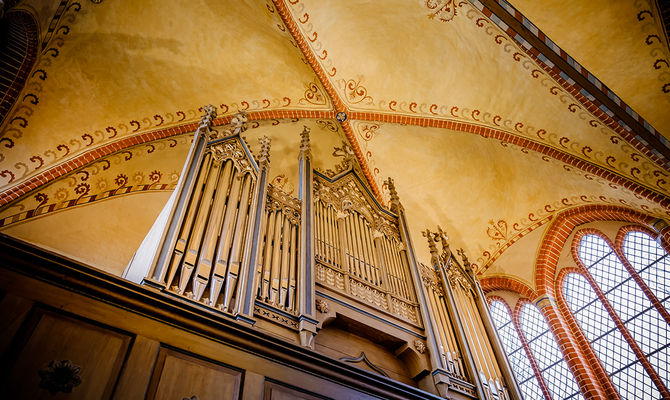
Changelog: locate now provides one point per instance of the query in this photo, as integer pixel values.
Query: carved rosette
(419, 346)
(60, 376)
(321, 306)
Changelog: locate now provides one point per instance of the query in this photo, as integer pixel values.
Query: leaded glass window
(630, 304)
(621, 364)
(560, 381)
(515, 352)
(651, 262)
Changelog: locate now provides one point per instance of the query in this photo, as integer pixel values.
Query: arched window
(651, 262)
(550, 360)
(613, 300)
(515, 352)
(18, 51)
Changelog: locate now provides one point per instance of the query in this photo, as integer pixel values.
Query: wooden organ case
(244, 288)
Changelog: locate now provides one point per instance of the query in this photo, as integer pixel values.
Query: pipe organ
(358, 248)
(278, 267)
(332, 269)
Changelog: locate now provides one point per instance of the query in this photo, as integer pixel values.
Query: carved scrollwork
(232, 150)
(279, 200)
(237, 125)
(347, 195)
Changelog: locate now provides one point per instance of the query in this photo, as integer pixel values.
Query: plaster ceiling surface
(120, 68)
(613, 42)
(485, 193)
(397, 59)
(126, 69)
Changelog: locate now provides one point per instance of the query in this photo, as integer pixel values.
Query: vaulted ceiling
(489, 128)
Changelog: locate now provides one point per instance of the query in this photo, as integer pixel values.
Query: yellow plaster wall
(104, 234)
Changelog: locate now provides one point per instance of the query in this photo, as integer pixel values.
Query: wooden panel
(136, 373)
(47, 337)
(179, 376)
(276, 391)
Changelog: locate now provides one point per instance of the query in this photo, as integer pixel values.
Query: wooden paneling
(178, 375)
(49, 336)
(276, 391)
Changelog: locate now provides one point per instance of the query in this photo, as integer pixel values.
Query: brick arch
(563, 225)
(576, 241)
(492, 283)
(624, 230)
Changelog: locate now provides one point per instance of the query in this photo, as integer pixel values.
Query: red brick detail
(93, 155)
(523, 142)
(516, 321)
(492, 283)
(579, 336)
(665, 393)
(663, 235)
(575, 90)
(561, 227)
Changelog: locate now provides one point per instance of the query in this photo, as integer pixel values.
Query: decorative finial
(208, 118)
(304, 139)
(466, 262)
(443, 237)
(264, 156)
(434, 257)
(395, 200)
(238, 123)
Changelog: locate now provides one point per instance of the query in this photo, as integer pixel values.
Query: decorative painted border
(594, 103)
(87, 157)
(55, 207)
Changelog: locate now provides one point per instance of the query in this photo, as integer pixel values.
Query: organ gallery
(297, 199)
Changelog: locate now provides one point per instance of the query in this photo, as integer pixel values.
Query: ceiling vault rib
(57, 171)
(15, 192)
(338, 104)
(637, 128)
